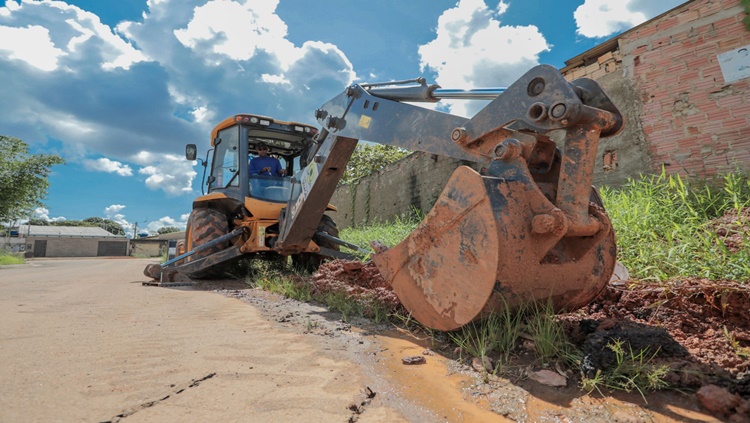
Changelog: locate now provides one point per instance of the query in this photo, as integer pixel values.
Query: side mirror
(191, 151)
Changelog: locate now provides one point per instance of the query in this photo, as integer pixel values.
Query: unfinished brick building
(686, 111)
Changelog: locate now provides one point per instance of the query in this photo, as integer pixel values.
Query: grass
(664, 231)
(389, 233)
(548, 334)
(735, 344)
(7, 257)
(633, 371)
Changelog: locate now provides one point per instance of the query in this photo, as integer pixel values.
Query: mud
(699, 328)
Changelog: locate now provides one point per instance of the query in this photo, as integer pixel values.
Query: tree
(38, 222)
(370, 158)
(106, 224)
(23, 178)
(167, 230)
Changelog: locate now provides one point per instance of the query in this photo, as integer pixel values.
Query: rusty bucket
(495, 242)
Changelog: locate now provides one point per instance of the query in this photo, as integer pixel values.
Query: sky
(118, 87)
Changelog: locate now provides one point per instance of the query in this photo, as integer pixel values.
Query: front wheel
(204, 226)
(309, 262)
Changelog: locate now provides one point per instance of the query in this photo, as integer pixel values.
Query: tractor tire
(207, 225)
(309, 262)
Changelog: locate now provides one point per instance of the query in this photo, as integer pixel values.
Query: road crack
(130, 411)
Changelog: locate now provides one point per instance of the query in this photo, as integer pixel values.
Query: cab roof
(264, 122)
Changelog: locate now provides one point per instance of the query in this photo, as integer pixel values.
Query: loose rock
(718, 399)
(549, 378)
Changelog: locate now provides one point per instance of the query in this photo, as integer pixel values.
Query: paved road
(82, 340)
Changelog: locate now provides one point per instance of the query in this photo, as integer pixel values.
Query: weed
(389, 233)
(663, 226)
(475, 338)
(8, 257)
(548, 334)
(310, 325)
(633, 371)
(739, 349)
(341, 302)
(589, 384)
(498, 332)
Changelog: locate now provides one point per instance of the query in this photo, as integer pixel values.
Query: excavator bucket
(480, 250)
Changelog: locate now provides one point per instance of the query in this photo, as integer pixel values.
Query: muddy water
(459, 397)
(431, 385)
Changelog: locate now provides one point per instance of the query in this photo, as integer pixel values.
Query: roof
(590, 56)
(166, 237)
(65, 231)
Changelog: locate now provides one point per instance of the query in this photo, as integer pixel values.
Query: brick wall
(692, 121)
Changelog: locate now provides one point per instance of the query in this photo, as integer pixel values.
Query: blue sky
(118, 87)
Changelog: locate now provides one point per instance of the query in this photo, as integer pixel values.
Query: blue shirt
(258, 163)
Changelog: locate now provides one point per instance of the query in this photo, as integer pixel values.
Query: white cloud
(113, 213)
(202, 114)
(238, 30)
(153, 227)
(274, 79)
(31, 45)
(104, 164)
(226, 29)
(43, 214)
(137, 93)
(473, 49)
(113, 209)
(68, 30)
(169, 173)
(600, 18)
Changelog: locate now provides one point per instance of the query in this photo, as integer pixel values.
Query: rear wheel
(310, 262)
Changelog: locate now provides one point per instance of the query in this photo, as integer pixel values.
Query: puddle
(458, 397)
(431, 385)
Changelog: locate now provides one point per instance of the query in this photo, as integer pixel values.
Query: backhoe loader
(529, 228)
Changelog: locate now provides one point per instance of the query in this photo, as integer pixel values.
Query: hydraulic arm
(525, 229)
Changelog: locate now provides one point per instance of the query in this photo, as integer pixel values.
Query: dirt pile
(709, 319)
(355, 279)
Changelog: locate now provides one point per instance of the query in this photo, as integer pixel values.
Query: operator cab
(235, 143)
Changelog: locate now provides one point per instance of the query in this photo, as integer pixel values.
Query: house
(67, 241)
(154, 246)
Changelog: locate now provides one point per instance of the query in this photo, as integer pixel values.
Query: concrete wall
(148, 248)
(16, 245)
(413, 182)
